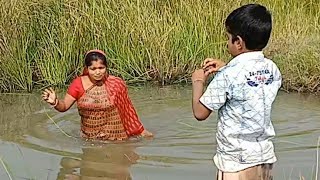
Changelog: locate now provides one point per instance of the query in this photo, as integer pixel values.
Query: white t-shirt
(243, 93)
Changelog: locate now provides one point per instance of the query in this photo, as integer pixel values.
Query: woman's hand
(49, 96)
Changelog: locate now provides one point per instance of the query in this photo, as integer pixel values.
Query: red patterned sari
(106, 111)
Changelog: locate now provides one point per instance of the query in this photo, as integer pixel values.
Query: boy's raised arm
(200, 112)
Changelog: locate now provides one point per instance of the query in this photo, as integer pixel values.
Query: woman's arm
(65, 104)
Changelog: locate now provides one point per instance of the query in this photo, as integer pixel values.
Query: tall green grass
(42, 42)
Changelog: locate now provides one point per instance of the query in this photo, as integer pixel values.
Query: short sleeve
(278, 77)
(216, 93)
(75, 89)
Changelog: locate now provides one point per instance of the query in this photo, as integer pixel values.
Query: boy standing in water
(242, 92)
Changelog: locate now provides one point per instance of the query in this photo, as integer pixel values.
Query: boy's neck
(246, 51)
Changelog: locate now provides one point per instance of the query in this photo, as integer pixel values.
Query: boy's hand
(211, 65)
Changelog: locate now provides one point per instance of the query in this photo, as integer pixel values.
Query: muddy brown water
(32, 146)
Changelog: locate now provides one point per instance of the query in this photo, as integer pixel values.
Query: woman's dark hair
(253, 23)
(95, 56)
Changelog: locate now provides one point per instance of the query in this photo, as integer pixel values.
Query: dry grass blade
(5, 168)
(62, 131)
(317, 165)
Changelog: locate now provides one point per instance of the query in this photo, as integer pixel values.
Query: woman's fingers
(47, 91)
(51, 89)
(45, 97)
(45, 94)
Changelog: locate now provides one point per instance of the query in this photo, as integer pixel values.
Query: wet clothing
(106, 111)
(243, 93)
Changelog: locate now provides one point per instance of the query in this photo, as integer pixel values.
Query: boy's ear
(240, 44)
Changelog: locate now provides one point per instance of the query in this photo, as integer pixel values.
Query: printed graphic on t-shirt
(254, 78)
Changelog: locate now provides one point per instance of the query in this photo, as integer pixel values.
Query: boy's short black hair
(253, 23)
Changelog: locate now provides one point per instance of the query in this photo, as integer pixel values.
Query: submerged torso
(100, 118)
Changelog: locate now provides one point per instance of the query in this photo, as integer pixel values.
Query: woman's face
(97, 70)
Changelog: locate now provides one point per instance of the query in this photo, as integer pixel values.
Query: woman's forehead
(98, 62)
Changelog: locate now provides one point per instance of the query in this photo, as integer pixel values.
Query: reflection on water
(15, 114)
(182, 147)
(107, 162)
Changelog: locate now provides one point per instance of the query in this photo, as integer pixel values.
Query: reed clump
(42, 42)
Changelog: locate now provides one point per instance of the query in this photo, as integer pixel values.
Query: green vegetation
(42, 42)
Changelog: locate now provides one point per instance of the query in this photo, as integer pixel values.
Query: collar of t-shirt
(242, 58)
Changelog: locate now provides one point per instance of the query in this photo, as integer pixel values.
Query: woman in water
(103, 103)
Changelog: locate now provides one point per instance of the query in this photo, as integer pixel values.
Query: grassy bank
(42, 42)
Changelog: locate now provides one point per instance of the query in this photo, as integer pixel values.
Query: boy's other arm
(200, 112)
